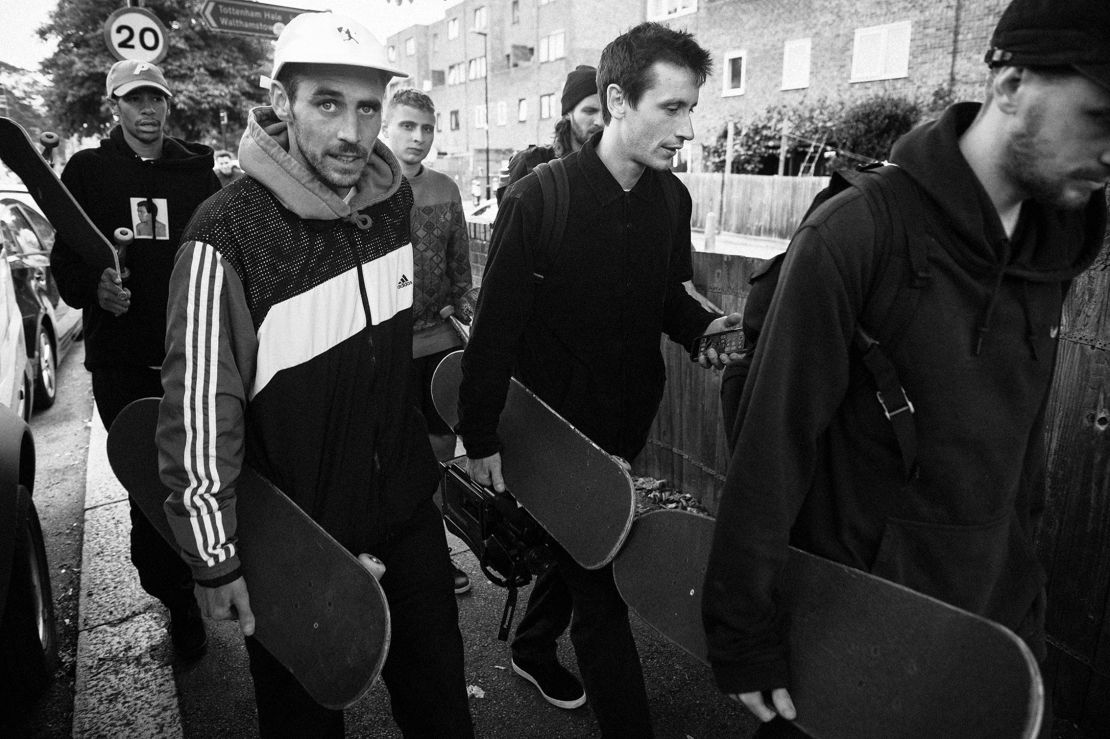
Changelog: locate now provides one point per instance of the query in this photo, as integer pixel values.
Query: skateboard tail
(317, 609)
(869, 659)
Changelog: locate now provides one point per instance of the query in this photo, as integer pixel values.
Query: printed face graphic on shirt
(150, 218)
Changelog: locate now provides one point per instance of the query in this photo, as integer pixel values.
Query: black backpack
(896, 206)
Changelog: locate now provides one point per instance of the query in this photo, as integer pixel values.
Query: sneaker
(461, 580)
(556, 684)
(187, 633)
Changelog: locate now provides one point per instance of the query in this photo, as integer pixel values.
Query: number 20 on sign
(135, 33)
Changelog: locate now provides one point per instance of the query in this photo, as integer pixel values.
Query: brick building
(765, 52)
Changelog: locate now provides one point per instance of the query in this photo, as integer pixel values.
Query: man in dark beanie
(580, 119)
(1011, 198)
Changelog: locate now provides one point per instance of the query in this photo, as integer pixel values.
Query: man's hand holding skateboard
(111, 295)
(232, 602)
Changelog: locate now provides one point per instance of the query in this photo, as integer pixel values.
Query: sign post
(244, 18)
(136, 33)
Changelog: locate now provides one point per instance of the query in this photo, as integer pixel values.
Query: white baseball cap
(330, 38)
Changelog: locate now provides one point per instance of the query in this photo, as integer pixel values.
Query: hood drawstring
(361, 221)
(1030, 328)
(988, 310)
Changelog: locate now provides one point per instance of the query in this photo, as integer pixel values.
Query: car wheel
(46, 384)
(28, 640)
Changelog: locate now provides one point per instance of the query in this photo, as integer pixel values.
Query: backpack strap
(555, 189)
(894, 296)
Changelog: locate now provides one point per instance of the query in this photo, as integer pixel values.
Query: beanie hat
(581, 83)
(1055, 33)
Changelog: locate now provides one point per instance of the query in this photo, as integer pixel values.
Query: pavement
(743, 245)
(128, 685)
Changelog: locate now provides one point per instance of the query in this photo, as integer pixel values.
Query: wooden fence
(752, 204)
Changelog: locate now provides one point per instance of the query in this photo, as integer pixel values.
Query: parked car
(50, 326)
(28, 638)
(485, 211)
(16, 380)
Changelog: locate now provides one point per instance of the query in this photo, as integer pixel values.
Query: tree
(870, 127)
(209, 72)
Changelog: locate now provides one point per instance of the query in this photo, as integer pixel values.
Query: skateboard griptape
(576, 491)
(317, 610)
(868, 658)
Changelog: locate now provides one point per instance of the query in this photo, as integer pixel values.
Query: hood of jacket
(176, 154)
(1066, 242)
(264, 155)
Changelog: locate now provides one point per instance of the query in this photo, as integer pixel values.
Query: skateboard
(462, 319)
(17, 151)
(317, 610)
(578, 493)
(868, 658)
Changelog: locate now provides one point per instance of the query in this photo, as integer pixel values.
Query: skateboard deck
(868, 658)
(18, 152)
(578, 493)
(317, 610)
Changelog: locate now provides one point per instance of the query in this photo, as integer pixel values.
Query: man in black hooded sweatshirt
(1012, 205)
(141, 179)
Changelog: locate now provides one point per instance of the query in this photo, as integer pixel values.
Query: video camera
(510, 545)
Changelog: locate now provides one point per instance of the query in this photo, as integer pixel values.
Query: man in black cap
(581, 118)
(1011, 203)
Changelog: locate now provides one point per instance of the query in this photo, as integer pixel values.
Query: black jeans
(424, 669)
(602, 640)
(162, 573)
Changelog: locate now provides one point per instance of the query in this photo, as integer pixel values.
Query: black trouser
(602, 639)
(162, 573)
(424, 669)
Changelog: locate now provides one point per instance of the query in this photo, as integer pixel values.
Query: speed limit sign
(135, 33)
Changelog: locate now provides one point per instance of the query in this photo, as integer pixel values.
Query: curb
(125, 682)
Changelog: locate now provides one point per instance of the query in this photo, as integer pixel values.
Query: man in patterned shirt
(441, 258)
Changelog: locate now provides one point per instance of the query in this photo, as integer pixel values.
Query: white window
(481, 17)
(454, 120)
(522, 109)
(453, 28)
(439, 121)
(479, 116)
(476, 68)
(545, 2)
(456, 74)
(735, 73)
(545, 106)
(410, 46)
(881, 52)
(660, 9)
(391, 52)
(795, 64)
(502, 113)
(553, 46)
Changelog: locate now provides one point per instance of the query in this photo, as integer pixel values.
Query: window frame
(727, 89)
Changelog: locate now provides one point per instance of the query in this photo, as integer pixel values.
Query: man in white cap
(149, 182)
(290, 333)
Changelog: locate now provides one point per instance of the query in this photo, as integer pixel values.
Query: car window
(40, 225)
(20, 230)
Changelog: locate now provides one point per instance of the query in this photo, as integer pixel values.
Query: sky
(21, 47)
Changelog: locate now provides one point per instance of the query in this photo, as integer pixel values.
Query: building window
(439, 121)
(735, 73)
(481, 18)
(516, 11)
(454, 120)
(453, 28)
(522, 109)
(502, 113)
(391, 52)
(435, 42)
(545, 2)
(552, 47)
(795, 64)
(881, 52)
(479, 116)
(410, 46)
(456, 74)
(439, 78)
(545, 106)
(476, 68)
(661, 9)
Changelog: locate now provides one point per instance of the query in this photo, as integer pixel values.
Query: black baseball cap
(1055, 33)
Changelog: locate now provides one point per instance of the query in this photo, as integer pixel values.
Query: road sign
(245, 18)
(136, 33)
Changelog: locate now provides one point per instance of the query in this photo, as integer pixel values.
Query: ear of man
(280, 101)
(615, 100)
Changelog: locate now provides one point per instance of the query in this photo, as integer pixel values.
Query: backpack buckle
(905, 406)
